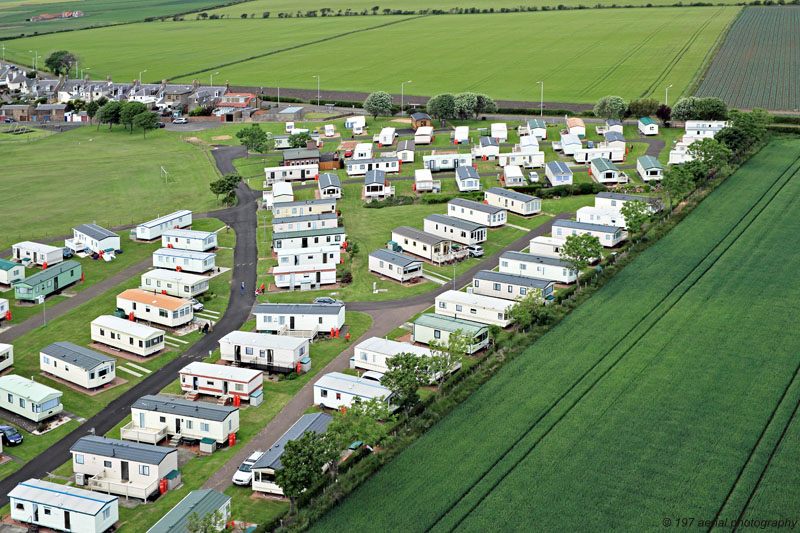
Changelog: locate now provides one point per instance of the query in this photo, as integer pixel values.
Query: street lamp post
(87, 68)
(666, 95)
(212, 78)
(318, 78)
(401, 95)
(541, 98)
(140, 75)
(35, 57)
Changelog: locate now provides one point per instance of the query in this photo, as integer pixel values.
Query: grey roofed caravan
(306, 202)
(319, 232)
(623, 197)
(466, 171)
(76, 355)
(559, 167)
(420, 116)
(316, 422)
(328, 179)
(403, 146)
(201, 502)
(300, 153)
(122, 449)
(612, 136)
(573, 224)
(395, 258)
(459, 223)
(162, 404)
(512, 195)
(308, 309)
(477, 206)
(489, 141)
(419, 235)
(95, 232)
(513, 279)
(303, 218)
(528, 258)
(375, 176)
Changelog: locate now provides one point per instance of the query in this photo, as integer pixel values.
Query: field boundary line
(614, 346)
(296, 46)
(700, 75)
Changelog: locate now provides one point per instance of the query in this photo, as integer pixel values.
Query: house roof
(300, 153)
(390, 347)
(614, 136)
(304, 218)
(290, 110)
(530, 258)
(50, 273)
(395, 258)
(298, 309)
(307, 233)
(188, 234)
(512, 195)
(5, 264)
(166, 218)
(450, 323)
(283, 342)
(76, 355)
(174, 275)
(602, 164)
(647, 121)
(95, 232)
(72, 499)
(200, 502)
(306, 202)
(135, 329)
(466, 172)
(365, 388)
(623, 197)
(648, 161)
(559, 167)
(455, 222)
(420, 116)
(574, 224)
(405, 145)
(466, 298)
(187, 254)
(489, 141)
(418, 235)
(328, 179)
(161, 301)
(122, 449)
(316, 422)
(513, 279)
(477, 206)
(162, 404)
(374, 176)
(51, 107)
(27, 388)
(233, 373)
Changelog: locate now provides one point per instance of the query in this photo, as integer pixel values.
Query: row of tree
(461, 105)
(690, 108)
(131, 114)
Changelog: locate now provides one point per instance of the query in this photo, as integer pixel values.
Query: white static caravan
(598, 215)
(536, 266)
(7, 356)
(376, 186)
(405, 151)
(306, 267)
(483, 309)
(429, 326)
(126, 335)
(499, 131)
(516, 202)
(306, 320)
(158, 308)
(456, 229)
(649, 168)
(62, 508)
(77, 364)
(614, 140)
(615, 201)
(290, 173)
(4, 308)
(336, 390)
(184, 260)
(273, 353)
(153, 229)
(546, 247)
(352, 122)
(264, 469)
(512, 175)
(93, 238)
(611, 124)
(510, 286)
(604, 171)
(282, 141)
(180, 284)
(423, 135)
(647, 126)
(9, 273)
(424, 182)
(461, 135)
(329, 186)
(28, 398)
(394, 265)
(446, 160)
(570, 143)
(186, 239)
(329, 130)
(33, 253)
(431, 247)
(305, 222)
(527, 141)
(467, 179)
(487, 148)
(359, 167)
(576, 126)
(609, 236)
(155, 417)
(362, 151)
(704, 129)
(282, 192)
(535, 127)
(221, 380)
(308, 238)
(485, 214)
(528, 156)
(680, 151)
(558, 173)
(373, 353)
(386, 137)
(585, 155)
(210, 501)
(304, 207)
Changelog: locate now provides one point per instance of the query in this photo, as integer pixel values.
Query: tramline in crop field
(758, 65)
(669, 407)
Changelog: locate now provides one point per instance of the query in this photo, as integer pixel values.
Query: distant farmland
(759, 63)
(580, 55)
(672, 408)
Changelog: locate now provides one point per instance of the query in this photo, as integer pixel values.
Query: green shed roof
(449, 323)
(5, 264)
(647, 121)
(48, 274)
(201, 502)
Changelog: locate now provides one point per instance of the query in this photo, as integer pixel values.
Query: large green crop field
(758, 65)
(662, 397)
(580, 55)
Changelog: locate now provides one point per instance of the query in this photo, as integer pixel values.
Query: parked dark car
(67, 253)
(8, 120)
(160, 125)
(10, 436)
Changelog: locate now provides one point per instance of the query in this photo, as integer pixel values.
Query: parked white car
(243, 475)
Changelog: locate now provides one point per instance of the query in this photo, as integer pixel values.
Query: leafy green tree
(442, 106)
(580, 250)
(611, 107)
(253, 137)
(225, 186)
(636, 214)
(446, 356)
(407, 373)
(91, 110)
(78, 104)
(523, 312)
(685, 109)
(301, 466)
(465, 104)
(363, 421)
(147, 120)
(736, 139)
(60, 62)
(218, 187)
(711, 153)
(664, 113)
(643, 107)
(128, 111)
(378, 103)
(299, 140)
(102, 101)
(109, 114)
(711, 109)
(676, 183)
(484, 104)
(211, 522)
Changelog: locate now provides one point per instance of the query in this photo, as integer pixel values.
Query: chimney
(86, 78)
(108, 78)
(227, 85)
(195, 84)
